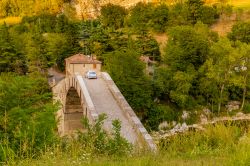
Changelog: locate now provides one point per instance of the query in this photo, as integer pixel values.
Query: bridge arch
(76, 104)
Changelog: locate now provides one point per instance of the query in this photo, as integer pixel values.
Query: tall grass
(217, 145)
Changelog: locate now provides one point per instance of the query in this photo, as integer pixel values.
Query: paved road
(105, 103)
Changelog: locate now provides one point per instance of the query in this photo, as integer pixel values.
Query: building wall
(83, 68)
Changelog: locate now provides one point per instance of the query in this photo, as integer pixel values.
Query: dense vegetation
(218, 145)
(197, 69)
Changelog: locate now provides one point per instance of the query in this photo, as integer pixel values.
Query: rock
(185, 115)
(206, 111)
(233, 105)
(177, 126)
(164, 126)
(240, 114)
(203, 118)
(173, 123)
(183, 127)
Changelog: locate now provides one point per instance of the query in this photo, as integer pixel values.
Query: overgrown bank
(218, 145)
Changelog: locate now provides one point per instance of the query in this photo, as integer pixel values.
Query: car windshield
(92, 72)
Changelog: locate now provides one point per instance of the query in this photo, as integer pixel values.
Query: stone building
(82, 63)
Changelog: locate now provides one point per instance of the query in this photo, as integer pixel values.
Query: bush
(241, 32)
(27, 120)
(247, 108)
(159, 114)
(97, 141)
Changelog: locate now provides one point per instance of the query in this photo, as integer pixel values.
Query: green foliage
(113, 16)
(97, 141)
(140, 15)
(46, 40)
(178, 14)
(214, 140)
(185, 52)
(35, 51)
(126, 70)
(148, 46)
(217, 145)
(160, 18)
(208, 15)
(186, 47)
(26, 115)
(241, 32)
(220, 69)
(11, 60)
(118, 145)
(247, 108)
(194, 10)
(159, 114)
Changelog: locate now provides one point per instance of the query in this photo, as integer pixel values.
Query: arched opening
(73, 112)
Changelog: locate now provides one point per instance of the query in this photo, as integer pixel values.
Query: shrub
(159, 114)
(27, 120)
(97, 141)
(247, 108)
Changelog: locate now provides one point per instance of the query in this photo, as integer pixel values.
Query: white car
(91, 74)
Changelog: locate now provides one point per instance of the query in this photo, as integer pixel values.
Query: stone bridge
(81, 97)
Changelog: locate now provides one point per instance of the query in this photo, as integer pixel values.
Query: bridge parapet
(129, 113)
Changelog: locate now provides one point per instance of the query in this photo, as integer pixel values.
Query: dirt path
(55, 75)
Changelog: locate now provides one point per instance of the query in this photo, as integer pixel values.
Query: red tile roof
(82, 59)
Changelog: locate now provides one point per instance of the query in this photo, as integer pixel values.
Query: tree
(10, 59)
(56, 47)
(160, 18)
(127, 71)
(35, 54)
(241, 32)
(27, 120)
(197, 11)
(178, 14)
(194, 10)
(208, 15)
(148, 46)
(186, 47)
(185, 52)
(183, 81)
(243, 69)
(113, 16)
(220, 68)
(140, 15)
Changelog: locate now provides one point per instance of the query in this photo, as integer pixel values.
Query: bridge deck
(105, 103)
